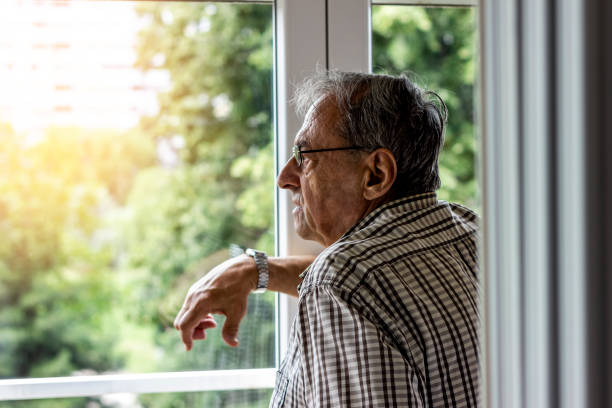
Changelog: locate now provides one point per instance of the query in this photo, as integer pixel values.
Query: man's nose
(288, 177)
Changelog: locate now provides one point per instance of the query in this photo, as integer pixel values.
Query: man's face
(326, 188)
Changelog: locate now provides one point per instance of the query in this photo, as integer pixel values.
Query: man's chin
(302, 230)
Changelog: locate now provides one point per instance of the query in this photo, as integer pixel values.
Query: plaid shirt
(388, 315)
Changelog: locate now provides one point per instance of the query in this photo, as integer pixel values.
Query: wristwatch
(261, 262)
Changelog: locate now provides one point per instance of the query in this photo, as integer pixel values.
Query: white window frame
(334, 34)
(91, 385)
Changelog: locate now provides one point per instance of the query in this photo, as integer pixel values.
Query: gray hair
(385, 111)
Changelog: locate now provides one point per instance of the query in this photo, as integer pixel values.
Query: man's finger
(181, 312)
(190, 319)
(178, 317)
(199, 334)
(230, 329)
(207, 323)
(186, 333)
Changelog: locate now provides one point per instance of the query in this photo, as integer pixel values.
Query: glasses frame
(298, 152)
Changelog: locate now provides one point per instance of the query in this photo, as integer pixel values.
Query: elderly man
(387, 313)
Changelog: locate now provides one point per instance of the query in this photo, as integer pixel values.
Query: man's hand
(224, 290)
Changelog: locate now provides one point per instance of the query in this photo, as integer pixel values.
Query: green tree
(55, 265)
(220, 103)
(221, 192)
(436, 47)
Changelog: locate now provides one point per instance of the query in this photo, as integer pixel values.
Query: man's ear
(379, 174)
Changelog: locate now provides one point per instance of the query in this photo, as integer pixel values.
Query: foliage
(234, 399)
(436, 48)
(219, 105)
(56, 277)
(220, 62)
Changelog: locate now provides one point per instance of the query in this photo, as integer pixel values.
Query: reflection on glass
(437, 48)
(136, 147)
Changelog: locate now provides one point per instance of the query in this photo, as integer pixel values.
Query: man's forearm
(285, 272)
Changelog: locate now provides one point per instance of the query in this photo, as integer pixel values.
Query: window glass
(436, 47)
(209, 399)
(136, 153)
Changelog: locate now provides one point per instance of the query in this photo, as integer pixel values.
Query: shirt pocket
(280, 390)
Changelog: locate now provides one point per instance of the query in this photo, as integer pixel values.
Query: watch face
(253, 252)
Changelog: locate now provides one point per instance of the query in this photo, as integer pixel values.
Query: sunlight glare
(71, 63)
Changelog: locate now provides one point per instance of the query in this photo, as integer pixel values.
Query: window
(137, 152)
(166, 115)
(436, 46)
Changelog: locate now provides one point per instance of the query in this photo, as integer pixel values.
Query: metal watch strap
(261, 262)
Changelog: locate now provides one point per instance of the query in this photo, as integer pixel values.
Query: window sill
(188, 381)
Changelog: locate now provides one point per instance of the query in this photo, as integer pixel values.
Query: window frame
(164, 382)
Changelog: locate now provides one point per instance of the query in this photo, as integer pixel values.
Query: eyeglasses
(298, 152)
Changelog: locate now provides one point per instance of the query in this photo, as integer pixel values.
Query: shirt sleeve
(346, 359)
